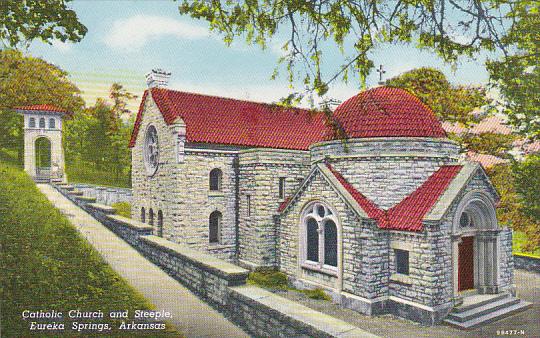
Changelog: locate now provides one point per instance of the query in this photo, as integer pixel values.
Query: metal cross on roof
(381, 71)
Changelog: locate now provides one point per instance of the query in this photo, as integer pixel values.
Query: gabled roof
(377, 112)
(406, 215)
(334, 183)
(212, 119)
(454, 188)
(43, 107)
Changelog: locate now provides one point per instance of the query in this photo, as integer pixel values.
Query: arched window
(32, 122)
(42, 122)
(215, 179)
(143, 215)
(214, 227)
(151, 217)
(320, 238)
(51, 123)
(330, 243)
(160, 223)
(312, 240)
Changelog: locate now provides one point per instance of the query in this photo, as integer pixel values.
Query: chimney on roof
(157, 77)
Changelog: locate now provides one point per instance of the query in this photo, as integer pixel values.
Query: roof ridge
(233, 99)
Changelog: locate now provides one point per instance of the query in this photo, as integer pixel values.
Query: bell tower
(43, 151)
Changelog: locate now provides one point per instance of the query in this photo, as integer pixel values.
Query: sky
(126, 39)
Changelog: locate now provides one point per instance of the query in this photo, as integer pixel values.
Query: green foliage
(276, 280)
(512, 210)
(517, 74)
(450, 103)
(352, 28)
(85, 172)
(24, 21)
(269, 279)
(520, 245)
(488, 143)
(45, 264)
(317, 294)
(25, 80)
(122, 209)
(527, 178)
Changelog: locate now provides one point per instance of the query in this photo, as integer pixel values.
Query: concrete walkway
(191, 316)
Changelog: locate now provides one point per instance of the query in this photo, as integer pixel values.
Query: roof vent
(158, 78)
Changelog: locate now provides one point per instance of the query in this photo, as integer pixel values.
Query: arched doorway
(476, 245)
(43, 158)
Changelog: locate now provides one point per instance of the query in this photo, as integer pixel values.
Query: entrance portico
(475, 243)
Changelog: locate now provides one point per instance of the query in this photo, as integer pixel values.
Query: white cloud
(136, 31)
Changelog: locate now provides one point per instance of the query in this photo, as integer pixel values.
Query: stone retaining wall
(527, 262)
(105, 195)
(222, 284)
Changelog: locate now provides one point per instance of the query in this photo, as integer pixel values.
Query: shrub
(317, 294)
(122, 209)
(269, 279)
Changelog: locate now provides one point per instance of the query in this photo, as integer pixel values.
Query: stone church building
(371, 204)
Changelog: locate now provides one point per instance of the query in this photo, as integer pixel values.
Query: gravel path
(528, 288)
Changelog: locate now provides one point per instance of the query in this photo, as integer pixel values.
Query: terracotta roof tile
(387, 112)
(408, 214)
(212, 119)
(43, 107)
(378, 112)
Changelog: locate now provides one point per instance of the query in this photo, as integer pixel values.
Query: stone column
(456, 240)
(488, 260)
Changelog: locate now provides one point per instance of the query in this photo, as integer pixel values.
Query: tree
(356, 28)
(516, 207)
(120, 96)
(450, 103)
(22, 21)
(526, 175)
(25, 80)
(517, 74)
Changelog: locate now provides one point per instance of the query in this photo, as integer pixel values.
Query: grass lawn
(46, 265)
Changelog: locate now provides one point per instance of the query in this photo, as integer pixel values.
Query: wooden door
(466, 264)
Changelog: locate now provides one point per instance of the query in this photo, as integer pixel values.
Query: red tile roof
(387, 112)
(43, 107)
(408, 214)
(212, 119)
(378, 112)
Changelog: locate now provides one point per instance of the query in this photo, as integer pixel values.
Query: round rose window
(151, 150)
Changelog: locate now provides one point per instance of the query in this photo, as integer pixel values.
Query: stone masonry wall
(105, 195)
(408, 146)
(260, 171)
(181, 190)
(154, 192)
(350, 254)
(430, 267)
(387, 170)
(386, 180)
(258, 311)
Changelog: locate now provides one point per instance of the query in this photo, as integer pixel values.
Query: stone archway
(475, 235)
(43, 150)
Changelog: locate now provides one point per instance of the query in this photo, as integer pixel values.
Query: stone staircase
(481, 309)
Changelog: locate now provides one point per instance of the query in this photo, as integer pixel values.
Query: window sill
(216, 194)
(324, 270)
(401, 278)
